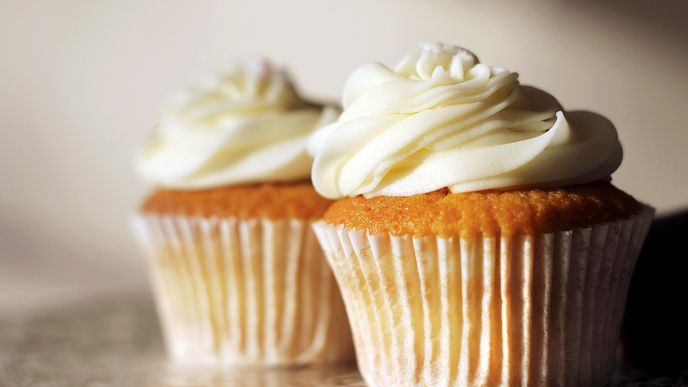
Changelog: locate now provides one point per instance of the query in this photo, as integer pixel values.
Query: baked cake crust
(265, 200)
(525, 211)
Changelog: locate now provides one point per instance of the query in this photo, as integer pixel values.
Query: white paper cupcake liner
(534, 310)
(237, 291)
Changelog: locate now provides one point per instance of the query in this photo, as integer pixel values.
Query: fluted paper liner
(235, 291)
(532, 310)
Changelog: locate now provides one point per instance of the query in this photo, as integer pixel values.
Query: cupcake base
(529, 310)
(244, 291)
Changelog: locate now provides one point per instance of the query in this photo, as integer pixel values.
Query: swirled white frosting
(442, 119)
(248, 125)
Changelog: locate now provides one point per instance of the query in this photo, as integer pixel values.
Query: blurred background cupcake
(477, 239)
(238, 275)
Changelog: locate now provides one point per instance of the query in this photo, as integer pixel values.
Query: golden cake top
(267, 200)
(488, 212)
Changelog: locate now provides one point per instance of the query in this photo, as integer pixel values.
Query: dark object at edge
(655, 328)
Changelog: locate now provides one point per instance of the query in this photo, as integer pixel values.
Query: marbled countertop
(116, 342)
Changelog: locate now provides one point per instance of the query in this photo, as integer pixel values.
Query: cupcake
(477, 239)
(238, 275)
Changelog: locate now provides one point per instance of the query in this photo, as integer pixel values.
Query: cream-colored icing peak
(441, 118)
(247, 125)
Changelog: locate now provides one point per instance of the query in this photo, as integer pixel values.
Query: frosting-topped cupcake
(238, 274)
(477, 239)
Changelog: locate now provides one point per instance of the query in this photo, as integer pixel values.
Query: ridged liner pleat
(237, 291)
(529, 310)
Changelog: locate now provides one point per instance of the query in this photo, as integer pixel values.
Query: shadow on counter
(655, 329)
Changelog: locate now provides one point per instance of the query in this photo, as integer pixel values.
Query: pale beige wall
(82, 81)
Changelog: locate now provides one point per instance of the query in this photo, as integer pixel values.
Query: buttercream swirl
(247, 125)
(443, 119)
